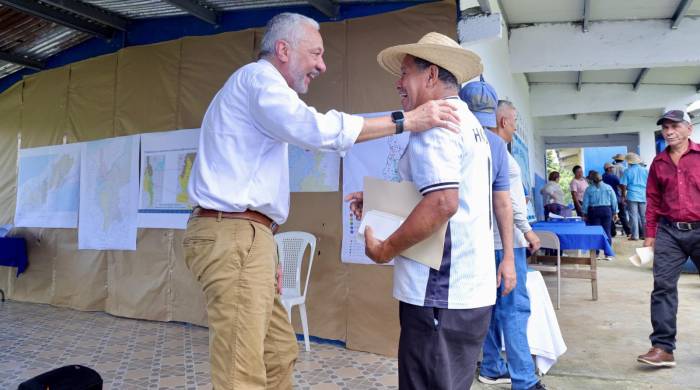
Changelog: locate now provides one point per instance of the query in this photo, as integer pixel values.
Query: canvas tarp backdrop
(168, 86)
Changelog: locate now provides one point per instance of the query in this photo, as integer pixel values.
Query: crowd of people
(456, 157)
(618, 195)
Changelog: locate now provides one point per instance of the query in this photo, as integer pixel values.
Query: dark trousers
(622, 213)
(438, 348)
(671, 250)
(601, 216)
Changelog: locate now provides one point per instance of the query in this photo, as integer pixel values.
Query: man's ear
(282, 51)
(433, 73)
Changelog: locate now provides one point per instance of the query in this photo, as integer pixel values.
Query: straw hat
(619, 157)
(438, 49)
(633, 158)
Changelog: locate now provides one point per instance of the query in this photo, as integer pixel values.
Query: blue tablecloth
(13, 253)
(576, 235)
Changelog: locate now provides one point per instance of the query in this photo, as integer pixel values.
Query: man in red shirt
(672, 228)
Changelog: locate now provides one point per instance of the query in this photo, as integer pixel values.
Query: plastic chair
(291, 247)
(549, 240)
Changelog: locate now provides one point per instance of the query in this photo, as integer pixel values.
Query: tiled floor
(133, 354)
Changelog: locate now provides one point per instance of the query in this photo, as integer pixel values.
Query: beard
(299, 77)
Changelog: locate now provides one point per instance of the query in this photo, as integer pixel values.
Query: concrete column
(647, 145)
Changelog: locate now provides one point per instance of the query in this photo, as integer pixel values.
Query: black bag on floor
(72, 377)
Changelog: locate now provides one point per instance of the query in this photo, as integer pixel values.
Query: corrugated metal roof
(38, 39)
(139, 9)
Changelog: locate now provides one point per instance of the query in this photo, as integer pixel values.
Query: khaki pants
(251, 343)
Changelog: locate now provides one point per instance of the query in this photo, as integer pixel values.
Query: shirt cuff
(352, 127)
(438, 186)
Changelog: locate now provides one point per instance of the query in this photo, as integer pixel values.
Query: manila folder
(400, 199)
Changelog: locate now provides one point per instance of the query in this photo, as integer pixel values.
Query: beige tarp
(167, 86)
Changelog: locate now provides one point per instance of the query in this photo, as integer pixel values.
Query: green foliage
(565, 176)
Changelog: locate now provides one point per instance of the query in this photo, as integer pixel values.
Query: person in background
(511, 312)
(634, 187)
(618, 165)
(578, 187)
(553, 197)
(673, 230)
(613, 181)
(599, 204)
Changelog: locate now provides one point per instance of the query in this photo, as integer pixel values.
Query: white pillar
(647, 145)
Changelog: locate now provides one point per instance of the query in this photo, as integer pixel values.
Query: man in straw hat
(672, 229)
(618, 165)
(611, 179)
(634, 187)
(240, 183)
(444, 314)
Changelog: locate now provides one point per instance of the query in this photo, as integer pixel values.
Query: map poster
(166, 163)
(48, 187)
(378, 158)
(521, 154)
(109, 191)
(313, 171)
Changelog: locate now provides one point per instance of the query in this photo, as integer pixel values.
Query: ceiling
(523, 14)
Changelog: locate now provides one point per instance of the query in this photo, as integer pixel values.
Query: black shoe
(538, 386)
(501, 380)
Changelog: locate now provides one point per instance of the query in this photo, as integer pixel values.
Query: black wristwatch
(398, 117)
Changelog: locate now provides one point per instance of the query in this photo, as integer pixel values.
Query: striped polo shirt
(435, 160)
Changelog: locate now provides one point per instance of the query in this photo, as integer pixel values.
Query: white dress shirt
(517, 199)
(242, 161)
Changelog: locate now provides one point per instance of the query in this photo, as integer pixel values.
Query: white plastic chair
(291, 247)
(549, 240)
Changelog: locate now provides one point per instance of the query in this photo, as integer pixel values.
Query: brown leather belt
(249, 215)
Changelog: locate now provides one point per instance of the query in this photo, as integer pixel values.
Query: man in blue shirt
(634, 190)
(611, 179)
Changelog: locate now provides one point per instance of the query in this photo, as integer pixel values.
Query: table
(577, 236)
(13, 253)
(543, 333)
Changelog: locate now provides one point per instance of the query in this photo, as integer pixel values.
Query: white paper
(378, 158)
(109, 191)
(48, 187)
(383, 224)
(166, 164)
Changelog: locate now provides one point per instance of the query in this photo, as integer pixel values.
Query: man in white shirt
(512, 311)
(444, 314)
(240, 183)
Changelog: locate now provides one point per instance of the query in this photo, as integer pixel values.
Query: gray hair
(505, 103)
(284, 26)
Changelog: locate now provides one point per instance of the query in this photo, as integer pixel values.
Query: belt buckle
(684, 226)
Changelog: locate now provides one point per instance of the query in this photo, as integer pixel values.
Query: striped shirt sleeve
(435, 157)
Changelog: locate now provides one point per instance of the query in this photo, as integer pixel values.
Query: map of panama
(311, 171)
(108, 194)
(48, 187)
(167, 159)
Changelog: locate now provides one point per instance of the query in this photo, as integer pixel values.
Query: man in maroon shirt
(672, 228)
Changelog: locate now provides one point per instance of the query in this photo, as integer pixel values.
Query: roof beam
(90, 12)
(503, 12)
(327, 7)
(586, 14)
(561, 99)
(195, 9)
(680, 13)
(618, 115)
(640, 78)
(485, 6)
(21, 60)
(40, 11)
(608, 45)
(601, 123)
(579, 81)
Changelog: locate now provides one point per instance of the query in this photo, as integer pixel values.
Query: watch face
(397, 116)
